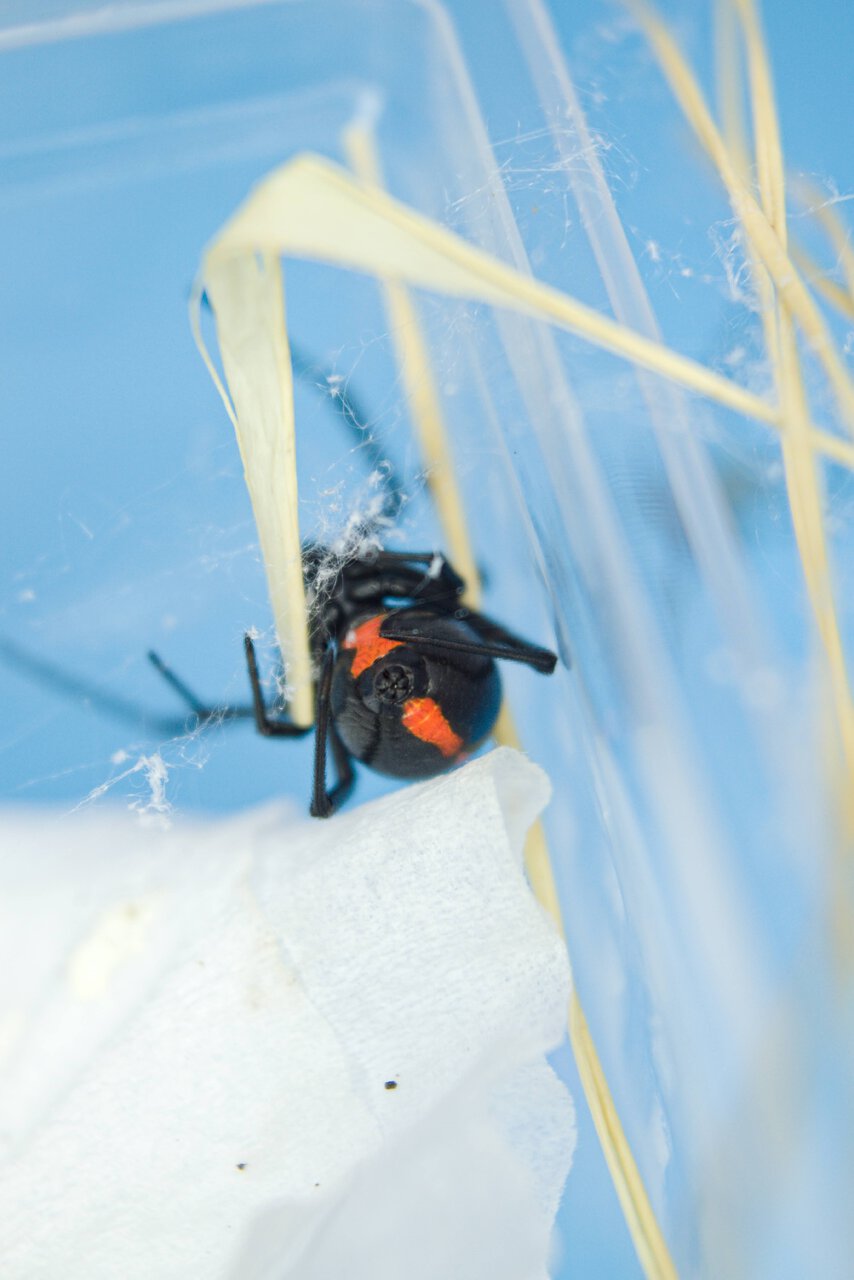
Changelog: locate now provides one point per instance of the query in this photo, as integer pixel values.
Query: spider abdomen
(410, 709)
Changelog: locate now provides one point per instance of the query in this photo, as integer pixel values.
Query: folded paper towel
(270, 1048)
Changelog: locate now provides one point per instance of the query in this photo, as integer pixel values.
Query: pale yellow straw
(757, 222)
(766, 232)
(433, 436)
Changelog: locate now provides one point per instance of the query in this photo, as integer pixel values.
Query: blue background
(125, 522)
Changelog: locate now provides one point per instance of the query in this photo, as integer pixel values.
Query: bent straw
(433, 435)
(836, 294)
(764, 227)
(311, 208)
(802, 481)
(801, 478)
(246, 293)
(837, 233)
(822, 209)
(763, 236)
(420, 388)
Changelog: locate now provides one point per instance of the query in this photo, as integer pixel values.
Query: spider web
(128, 527)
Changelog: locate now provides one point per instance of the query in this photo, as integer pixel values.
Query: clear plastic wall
(697, 829)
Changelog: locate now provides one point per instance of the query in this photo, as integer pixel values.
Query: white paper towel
(197, 1028)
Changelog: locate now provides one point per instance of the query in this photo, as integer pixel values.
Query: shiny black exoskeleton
(408, 712)
(406, 680)
(405, 675)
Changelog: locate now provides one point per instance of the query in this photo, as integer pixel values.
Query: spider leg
(204, 713)
(494, 641)
(266, 726)
(492, 632)
(342, 402)
(340, 399)
(441, 577)
(344, 771)
(323, 802)
(384, 576)
(94, 696)
(404, 583)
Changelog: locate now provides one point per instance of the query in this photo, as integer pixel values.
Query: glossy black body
(426, 648)
(405, 675)
(411, 703)
(466, 687)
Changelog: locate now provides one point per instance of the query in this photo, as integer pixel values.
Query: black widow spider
(405, 676)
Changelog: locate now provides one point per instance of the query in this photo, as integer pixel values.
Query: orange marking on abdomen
(368, 643)
(424, 718)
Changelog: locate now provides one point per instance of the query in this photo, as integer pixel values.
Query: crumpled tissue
(269, 1047)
